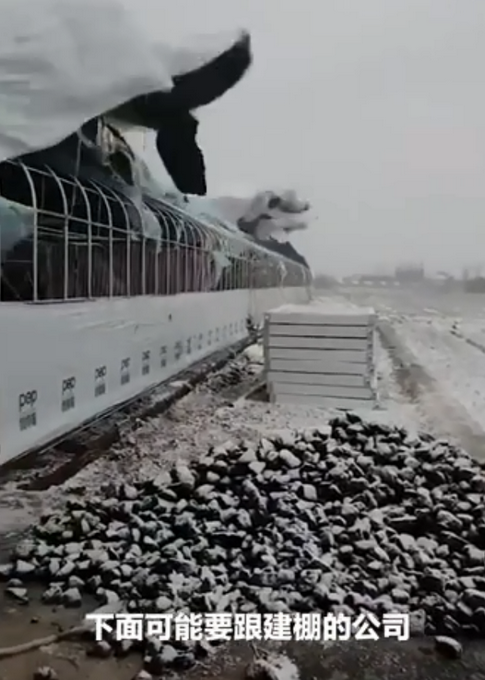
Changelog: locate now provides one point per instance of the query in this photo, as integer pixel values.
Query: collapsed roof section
(69, 179)
(268, 217)
(65, 62)
(75, 214)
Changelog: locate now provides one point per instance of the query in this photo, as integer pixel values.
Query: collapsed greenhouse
(131, 282)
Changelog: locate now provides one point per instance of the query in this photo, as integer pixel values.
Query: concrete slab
(297, 342)
(323, 402)
(328, 366)
(330, 379)
(314, 331)
(356, 356)
(321, 390)
(326, 313)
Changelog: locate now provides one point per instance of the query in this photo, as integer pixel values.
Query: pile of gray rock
(350, 517)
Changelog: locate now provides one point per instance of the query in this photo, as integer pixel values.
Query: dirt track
(449, 416)
(413, 660)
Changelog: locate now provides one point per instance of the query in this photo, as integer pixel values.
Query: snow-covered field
(446, 334)
(427, 325)
(458, 366)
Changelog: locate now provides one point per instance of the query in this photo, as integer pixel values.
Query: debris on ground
(448, 646)
(347, 518)
(240, 369)
(204, 415)
(45, 673)
(255, 354)
(268, 665)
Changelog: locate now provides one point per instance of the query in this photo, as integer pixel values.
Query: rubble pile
(349, 517)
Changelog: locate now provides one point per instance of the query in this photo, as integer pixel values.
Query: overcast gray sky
(373, 109)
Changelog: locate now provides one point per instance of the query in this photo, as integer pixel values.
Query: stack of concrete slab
(321, 354)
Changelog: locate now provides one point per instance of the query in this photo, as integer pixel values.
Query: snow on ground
(186, 431)
(473, 330)
(434, 324)
(458, 367)
(204, 418)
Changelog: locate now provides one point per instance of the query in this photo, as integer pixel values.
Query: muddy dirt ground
(383, 660)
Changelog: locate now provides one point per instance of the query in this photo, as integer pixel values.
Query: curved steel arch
(122, 242)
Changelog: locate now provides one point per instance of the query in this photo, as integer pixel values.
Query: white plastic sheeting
(63, 62)
(18, 222)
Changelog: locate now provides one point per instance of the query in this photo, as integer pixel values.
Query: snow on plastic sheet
(63, 62)
(198, 50)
